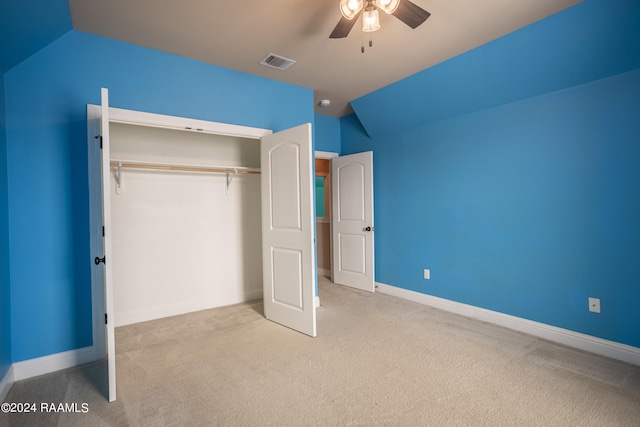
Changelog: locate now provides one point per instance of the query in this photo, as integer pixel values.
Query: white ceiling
(238, 34)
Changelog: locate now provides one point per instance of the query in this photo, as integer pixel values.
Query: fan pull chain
(370, 43)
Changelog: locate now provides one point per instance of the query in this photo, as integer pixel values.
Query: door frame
(325, 155)
(331, 155)
(138, 118)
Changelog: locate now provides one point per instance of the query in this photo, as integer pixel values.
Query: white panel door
(288, 256)
(352, 221)
(106, 243)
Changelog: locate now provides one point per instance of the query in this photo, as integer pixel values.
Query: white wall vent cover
(276, 61)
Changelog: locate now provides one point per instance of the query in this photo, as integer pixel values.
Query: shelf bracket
(119, 180)
(229, 179)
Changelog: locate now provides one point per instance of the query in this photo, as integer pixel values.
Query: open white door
(288, 256)
(106, 244)
(352, 221)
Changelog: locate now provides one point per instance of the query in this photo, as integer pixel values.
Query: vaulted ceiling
(238, 34)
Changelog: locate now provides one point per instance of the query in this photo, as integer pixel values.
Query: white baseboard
(153, 313)
(54, 362)
(6, 383)
(612, 349)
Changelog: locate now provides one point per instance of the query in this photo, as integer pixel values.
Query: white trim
(6, 383)
(612, 349)
(169, 310)
(119, 115)
(325, 219)
(325, 154)
(54, 362)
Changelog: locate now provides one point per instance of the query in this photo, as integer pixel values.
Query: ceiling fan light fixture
(350, 8)
(388, 6)
(370, 20)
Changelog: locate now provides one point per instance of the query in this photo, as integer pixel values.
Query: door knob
(369, 229)
(97, 261)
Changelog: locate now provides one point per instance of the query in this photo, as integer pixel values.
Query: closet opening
(182, 221)
(185, 221)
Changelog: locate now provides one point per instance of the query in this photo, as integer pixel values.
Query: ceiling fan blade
(411, 14)
(344, 26)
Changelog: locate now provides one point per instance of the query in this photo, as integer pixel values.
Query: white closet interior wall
(181, 241)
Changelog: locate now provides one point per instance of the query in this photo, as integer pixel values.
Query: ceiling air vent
(279, 62)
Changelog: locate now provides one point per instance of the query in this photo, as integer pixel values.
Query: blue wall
(592, 40)
(327, 133)
(46, 98)
(27, 26)
(5, 308)
(526, 209)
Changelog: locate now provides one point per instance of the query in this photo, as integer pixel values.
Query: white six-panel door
(352, 226)
(288, 251)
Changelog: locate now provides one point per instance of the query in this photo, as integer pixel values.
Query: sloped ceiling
(238, 34)
(592, 40)
(458, 61)
(26, 26)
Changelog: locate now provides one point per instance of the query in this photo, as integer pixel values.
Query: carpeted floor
(377, 360)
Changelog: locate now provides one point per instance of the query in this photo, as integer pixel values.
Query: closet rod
(125, 165)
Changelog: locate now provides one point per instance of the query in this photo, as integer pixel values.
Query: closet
(187, 215)
(185, 221)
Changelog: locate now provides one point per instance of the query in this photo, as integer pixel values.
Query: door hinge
(100, 138)
(102, 231)
(105, 319)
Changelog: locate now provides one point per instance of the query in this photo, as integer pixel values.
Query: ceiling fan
(404, 10)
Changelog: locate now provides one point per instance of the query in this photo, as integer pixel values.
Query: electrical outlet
(427, 274)
(594, 305)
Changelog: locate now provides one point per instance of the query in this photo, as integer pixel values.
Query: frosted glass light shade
(389, 6)
(370, 20)
(350, 8)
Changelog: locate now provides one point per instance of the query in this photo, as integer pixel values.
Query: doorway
(323, 210)
(345, 233)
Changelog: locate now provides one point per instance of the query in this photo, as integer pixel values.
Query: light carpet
(377, 360)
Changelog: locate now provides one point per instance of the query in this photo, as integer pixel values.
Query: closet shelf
(124, 164)
(119, 165)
